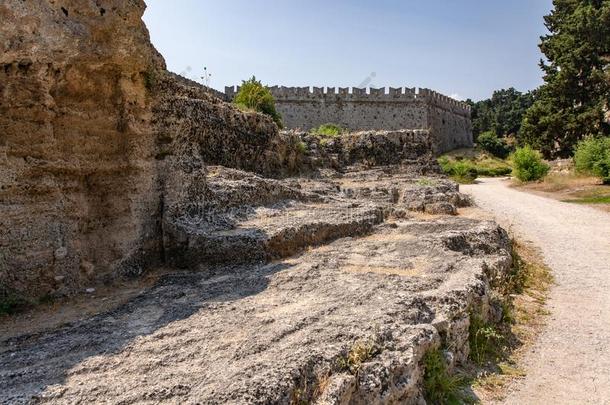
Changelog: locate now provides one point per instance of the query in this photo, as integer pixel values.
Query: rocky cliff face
(91, 126)
(371, 148)
(78, 186)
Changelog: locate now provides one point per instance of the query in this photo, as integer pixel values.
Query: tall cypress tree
(574, 100)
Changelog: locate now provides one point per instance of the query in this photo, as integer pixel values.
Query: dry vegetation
(526, 319)
(573, 188)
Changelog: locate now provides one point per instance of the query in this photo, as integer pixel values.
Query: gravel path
(570, 362)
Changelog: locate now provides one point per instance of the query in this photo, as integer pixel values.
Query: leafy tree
(571, 103)
(502, 113)
(254, 96)
(489, 141)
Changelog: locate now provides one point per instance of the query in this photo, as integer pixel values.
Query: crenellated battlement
(392, 108)
(374, 95)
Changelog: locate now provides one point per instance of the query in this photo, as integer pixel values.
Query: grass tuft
(486, 341)
(440, 387)
(328, 131)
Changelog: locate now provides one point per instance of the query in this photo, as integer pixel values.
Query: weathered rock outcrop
(190, 124)
(93, 130)
(107, 168)
(370, 148)
(280, 332)
(78, 190)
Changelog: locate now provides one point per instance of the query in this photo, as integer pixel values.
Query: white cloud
(457, 96)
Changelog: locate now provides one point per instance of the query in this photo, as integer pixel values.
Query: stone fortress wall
(359, 109)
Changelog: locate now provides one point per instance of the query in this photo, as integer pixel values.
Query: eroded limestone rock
(95, 133)
(105, 164)
(270, 333)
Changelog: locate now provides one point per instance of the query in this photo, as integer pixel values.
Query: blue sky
(464, 48)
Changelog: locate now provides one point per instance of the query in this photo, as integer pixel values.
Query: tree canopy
(573, 101)
(502, 113)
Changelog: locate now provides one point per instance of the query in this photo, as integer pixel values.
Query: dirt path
(570, 362)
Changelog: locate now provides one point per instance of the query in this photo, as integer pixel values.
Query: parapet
(347, 94)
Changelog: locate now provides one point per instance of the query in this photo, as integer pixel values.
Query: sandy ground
(570, 362)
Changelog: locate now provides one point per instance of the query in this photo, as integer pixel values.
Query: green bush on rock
(328, 130)
(254, 96)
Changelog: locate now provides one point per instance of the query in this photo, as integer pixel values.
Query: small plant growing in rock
(327, 133)
(254, 96)
(592, 157)
(528, 164)
(328, 130)
(301, 147)
(360, 353)
(485, 340)
(440, 387)
(150, 78)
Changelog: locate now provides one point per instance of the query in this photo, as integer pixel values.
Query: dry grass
(570, 187)
(323, 381)
(528, 313)
(557, 182)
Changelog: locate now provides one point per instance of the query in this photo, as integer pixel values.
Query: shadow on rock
(31, 363)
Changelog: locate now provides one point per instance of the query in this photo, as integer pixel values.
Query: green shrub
(528, 164)
(489, 142)
(254, 96)
(462, 171)
(439, 386)
(592, 157)
(493, 171)
(328, 130)
(482, 162)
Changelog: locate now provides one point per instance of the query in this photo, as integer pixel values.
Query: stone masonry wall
(376, 109)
